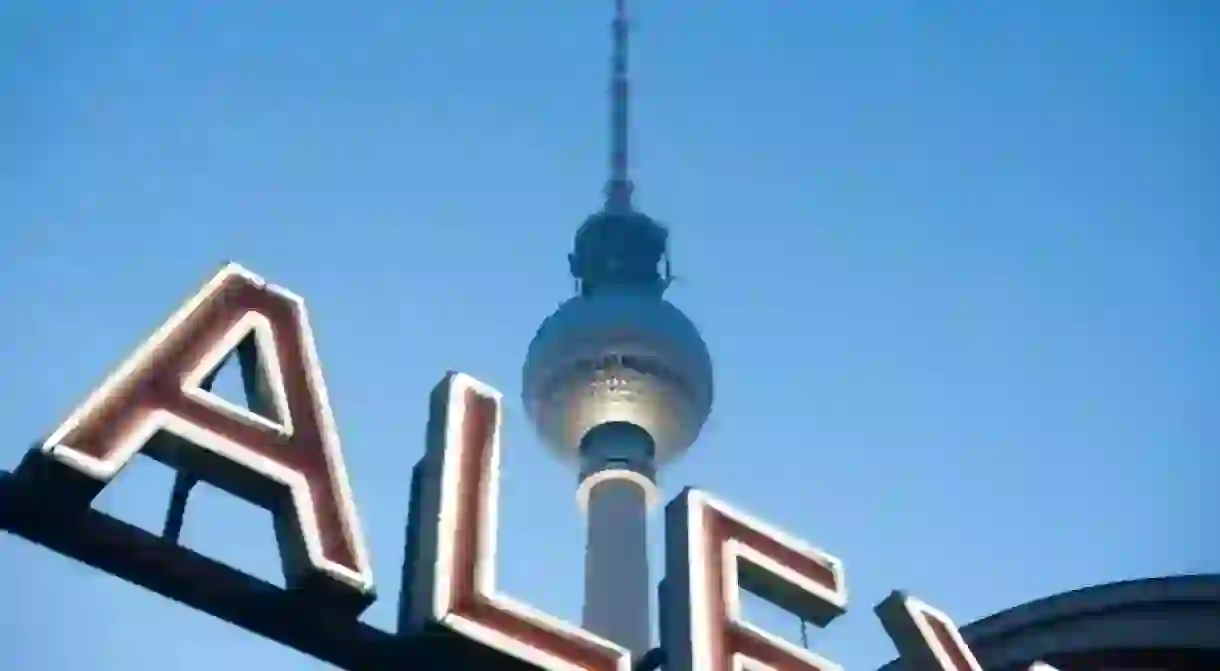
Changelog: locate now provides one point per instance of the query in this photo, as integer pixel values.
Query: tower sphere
(618, 356)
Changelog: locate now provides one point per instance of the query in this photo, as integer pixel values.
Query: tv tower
(618, 382)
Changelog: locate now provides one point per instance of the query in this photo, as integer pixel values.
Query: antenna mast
(619, 187)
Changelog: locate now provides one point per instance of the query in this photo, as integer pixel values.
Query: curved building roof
(1170, 623)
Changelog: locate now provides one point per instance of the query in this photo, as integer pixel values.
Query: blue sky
(950, 259)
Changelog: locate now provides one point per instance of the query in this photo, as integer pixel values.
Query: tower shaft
(617, 477)
(617, 588)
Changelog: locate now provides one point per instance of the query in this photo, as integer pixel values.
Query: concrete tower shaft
(616, 491)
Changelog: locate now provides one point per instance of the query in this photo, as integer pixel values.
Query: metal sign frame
(283, 453)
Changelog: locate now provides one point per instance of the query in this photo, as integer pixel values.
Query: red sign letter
(924, 635)
(454, 585)
(713, 551)
(927, 638)
(286, 456)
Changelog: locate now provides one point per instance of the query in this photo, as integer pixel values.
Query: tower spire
(619, 187)
(619, 248)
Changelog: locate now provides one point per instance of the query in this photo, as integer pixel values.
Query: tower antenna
(619, 187)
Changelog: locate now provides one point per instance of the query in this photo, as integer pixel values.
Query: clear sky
(951, 259)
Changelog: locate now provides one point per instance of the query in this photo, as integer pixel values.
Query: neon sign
(284, 453)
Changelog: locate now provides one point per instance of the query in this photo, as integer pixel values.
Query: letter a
(285, 457)
(455, 545)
